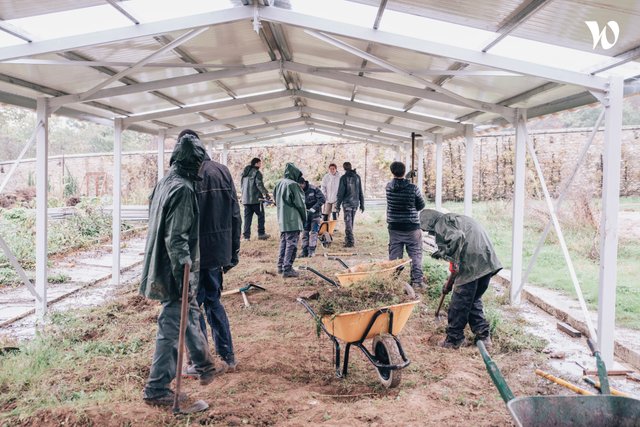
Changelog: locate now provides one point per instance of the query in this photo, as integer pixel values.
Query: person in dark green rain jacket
(292, 213)
(463, 242)
(172, 243)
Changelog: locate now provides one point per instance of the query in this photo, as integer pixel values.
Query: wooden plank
(569, 330)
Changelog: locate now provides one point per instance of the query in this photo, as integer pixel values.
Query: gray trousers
(288, 249)
(310, 234)
(412, 241)
(349, 215)
(165, 358)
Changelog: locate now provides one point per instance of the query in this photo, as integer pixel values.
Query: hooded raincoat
(462, 241)
(172, 239)
(289, 198)
(252, 186)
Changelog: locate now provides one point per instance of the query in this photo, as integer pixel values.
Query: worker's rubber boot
(304, 253)
(166, 400)
(264, 236)
(487, 343)
(448, 344)
(290, 273)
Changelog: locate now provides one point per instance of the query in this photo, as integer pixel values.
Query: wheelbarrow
(361, 271)
(575, 411)
(325, 233)
(382, 324)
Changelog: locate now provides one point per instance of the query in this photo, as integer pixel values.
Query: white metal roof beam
(208, 106)
(272, 132)
(353, 137)
(337, 128)
(120, 9)
(270, 138)
(126, 33)
(321, 112)
(15, 31)
(372, 58)
(225, 133)
(369, 132)
(526, 12)
(164, 83)
(296, 19)
(377, 109)
(393, 87)
(233, 120)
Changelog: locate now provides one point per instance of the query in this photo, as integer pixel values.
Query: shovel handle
(440, 304)
(183, 328)
(602, 369)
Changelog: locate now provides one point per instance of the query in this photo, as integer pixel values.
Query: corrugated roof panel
(491, 89)
(255, 83)
(550, 95)
(312, 51)
(486, 15)
(563, 23)
(14, 9)
(331, 87)
(138, 102)
(431, 108)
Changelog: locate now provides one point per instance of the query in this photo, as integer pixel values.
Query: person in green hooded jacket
(253, 190)
(463, 242)
(172, 244)
(292, 213)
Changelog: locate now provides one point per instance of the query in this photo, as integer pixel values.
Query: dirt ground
(285, 372)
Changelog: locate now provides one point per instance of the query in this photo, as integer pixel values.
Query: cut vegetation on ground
(89, 368)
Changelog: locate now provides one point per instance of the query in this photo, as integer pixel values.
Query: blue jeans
(208, 298)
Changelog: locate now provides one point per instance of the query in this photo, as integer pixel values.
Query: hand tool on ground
(596, 384)
(446, 288)
(243, 291)
(563, 383)
(199, 405)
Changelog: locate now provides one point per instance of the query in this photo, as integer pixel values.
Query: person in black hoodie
(350, 197)
(404, 202)
(314, 201)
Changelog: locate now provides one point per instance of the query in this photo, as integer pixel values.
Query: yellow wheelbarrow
(382, 324)
(325, 232)
(361, 271)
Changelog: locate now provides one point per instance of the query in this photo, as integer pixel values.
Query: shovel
(446, 288)
(243, 290)
(199, 405)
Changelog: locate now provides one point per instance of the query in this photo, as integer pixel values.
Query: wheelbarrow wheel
(386, 351)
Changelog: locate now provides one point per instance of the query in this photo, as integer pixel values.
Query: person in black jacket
(220, 225)
(350, 197)
(404, 202)
(313, 200)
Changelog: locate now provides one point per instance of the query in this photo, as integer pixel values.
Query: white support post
(160, 138)
(439, 171)
(468, 170)
(42, 178)
(519, 189)
(117, 198)
(609, 220)
(420, 181)
(224, 158)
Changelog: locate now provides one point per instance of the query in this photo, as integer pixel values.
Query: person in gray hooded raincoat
(172, 243)
(463, 241)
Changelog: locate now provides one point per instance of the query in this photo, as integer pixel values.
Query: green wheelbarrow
(576, 411)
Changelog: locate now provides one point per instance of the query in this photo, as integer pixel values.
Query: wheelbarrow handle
(335, 258)
(495, 374)
(602, 369)
(317, 273)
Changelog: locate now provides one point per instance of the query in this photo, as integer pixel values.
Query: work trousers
(208, 298)
(349, 215)
(329, 208)
(288, 249)
(412, 242)
(165, 358)
(249, 210)
(310, 234)
(466, 307)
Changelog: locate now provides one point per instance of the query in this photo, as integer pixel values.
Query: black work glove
(436, 255)
(361, 208)
(234, 262)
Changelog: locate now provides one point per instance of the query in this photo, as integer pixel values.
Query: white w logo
(601, 36)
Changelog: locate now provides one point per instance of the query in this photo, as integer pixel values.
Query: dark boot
(290, 273)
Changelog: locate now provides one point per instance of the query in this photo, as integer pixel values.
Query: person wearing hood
(314, 200)
(292, 214)
(404, 202)
(220, 226)
(462, 241)
(172, 244)
(329, 188)
(252, 191)
(350, 197)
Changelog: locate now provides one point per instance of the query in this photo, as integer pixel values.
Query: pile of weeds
(373, 292)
